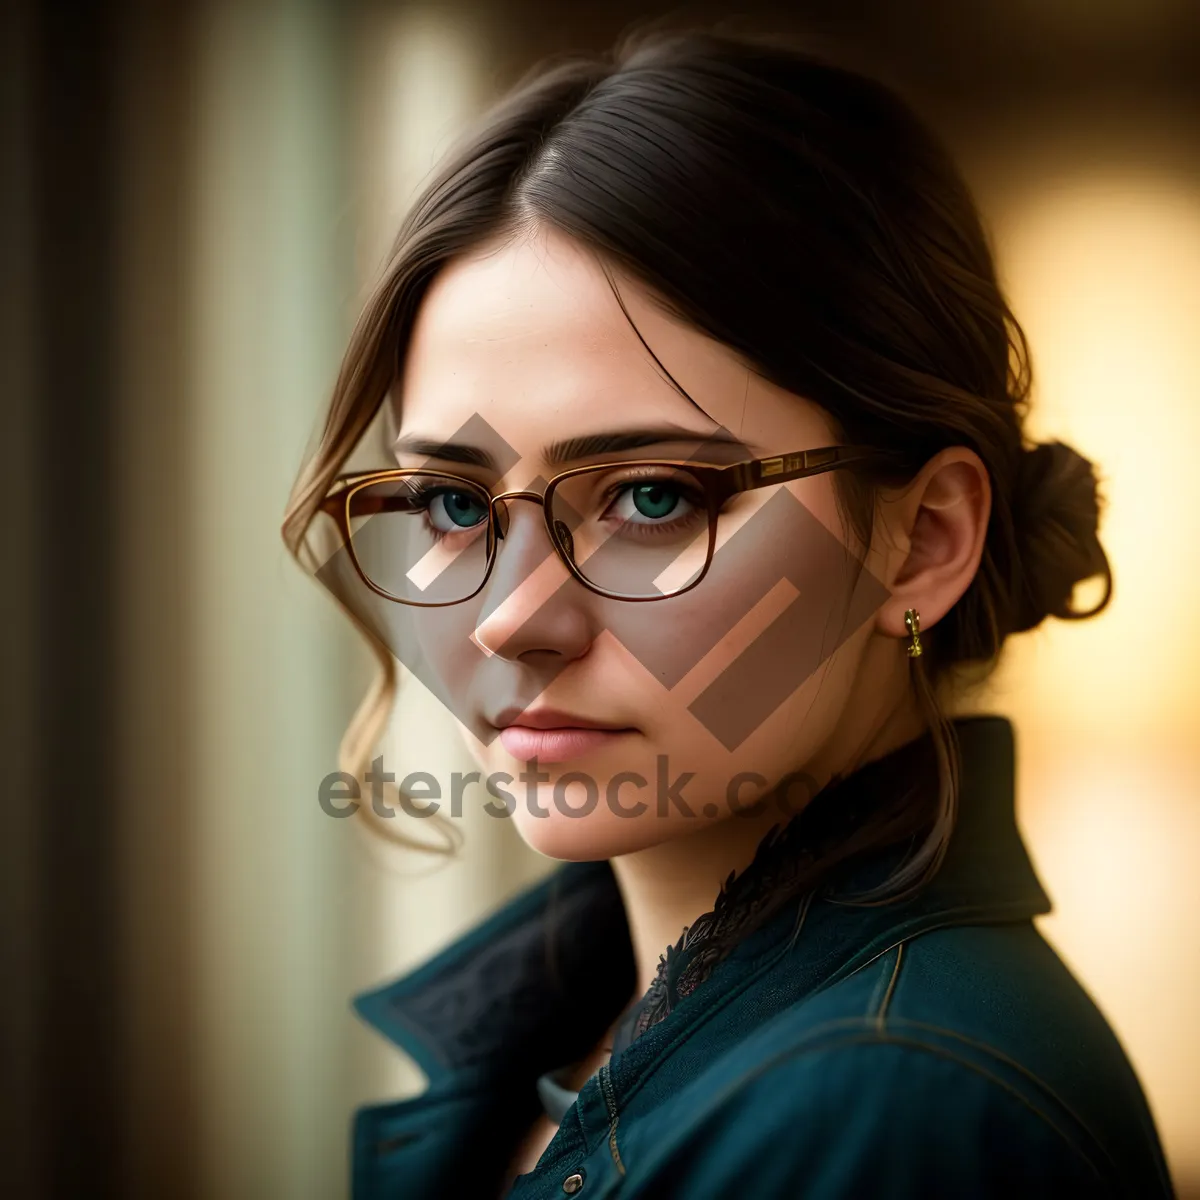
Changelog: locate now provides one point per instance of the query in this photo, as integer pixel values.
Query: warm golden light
(1104, 274)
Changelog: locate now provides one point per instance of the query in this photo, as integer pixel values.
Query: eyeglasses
(638, 530)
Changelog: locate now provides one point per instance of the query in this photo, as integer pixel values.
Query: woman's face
(700, 703)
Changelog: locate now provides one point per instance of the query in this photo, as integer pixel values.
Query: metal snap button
(573, 1183)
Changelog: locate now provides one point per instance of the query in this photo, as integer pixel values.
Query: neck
(666, 887)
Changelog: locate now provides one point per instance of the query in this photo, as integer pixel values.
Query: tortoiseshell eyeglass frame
(717, 483)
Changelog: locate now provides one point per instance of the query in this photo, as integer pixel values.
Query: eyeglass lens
(638, 531)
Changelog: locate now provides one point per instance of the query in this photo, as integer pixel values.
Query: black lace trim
(785, 858)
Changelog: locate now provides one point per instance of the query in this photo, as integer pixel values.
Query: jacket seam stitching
(1000, 1057)
(929, 1048)
(610, 1103)
(957, 918)
(874, 999)
(881, 1013)
(866, 1035)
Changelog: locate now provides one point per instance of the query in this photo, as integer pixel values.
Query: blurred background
(196, 197)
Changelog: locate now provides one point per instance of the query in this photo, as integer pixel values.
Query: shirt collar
(540, 981)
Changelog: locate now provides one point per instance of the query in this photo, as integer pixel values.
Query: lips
(551, 735)
(549, 718)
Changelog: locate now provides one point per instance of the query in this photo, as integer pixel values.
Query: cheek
(444, 657)
(781, 598)
(443, 639)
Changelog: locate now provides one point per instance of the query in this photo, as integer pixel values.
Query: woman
(707, 491)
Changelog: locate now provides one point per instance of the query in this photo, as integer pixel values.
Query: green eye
(449, 511)
(654, 500)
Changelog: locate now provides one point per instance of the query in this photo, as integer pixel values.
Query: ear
(937, 525)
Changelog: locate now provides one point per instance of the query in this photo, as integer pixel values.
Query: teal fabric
(934, 1047)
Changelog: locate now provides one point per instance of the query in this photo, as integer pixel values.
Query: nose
(531, 602)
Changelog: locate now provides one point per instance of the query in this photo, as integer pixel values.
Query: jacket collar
(540, 981)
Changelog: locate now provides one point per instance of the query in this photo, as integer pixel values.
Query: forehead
(529, 337)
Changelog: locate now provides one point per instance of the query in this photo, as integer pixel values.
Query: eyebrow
(569, 449)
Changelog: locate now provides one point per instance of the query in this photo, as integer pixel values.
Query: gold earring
(912, 619)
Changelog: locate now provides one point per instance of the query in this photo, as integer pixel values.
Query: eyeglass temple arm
(761, 472)
(334, 504)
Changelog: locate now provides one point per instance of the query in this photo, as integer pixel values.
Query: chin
(600, 834)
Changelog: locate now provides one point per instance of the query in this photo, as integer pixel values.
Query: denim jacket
(931, 1047)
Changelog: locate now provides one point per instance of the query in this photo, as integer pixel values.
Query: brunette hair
(803, 215)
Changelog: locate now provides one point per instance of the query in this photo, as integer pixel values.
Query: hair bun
(1056, 512)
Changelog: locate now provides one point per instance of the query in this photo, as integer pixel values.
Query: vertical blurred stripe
(20, 945)
(419, 78)
(268, 264)
(61, 931)
(156, 581)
